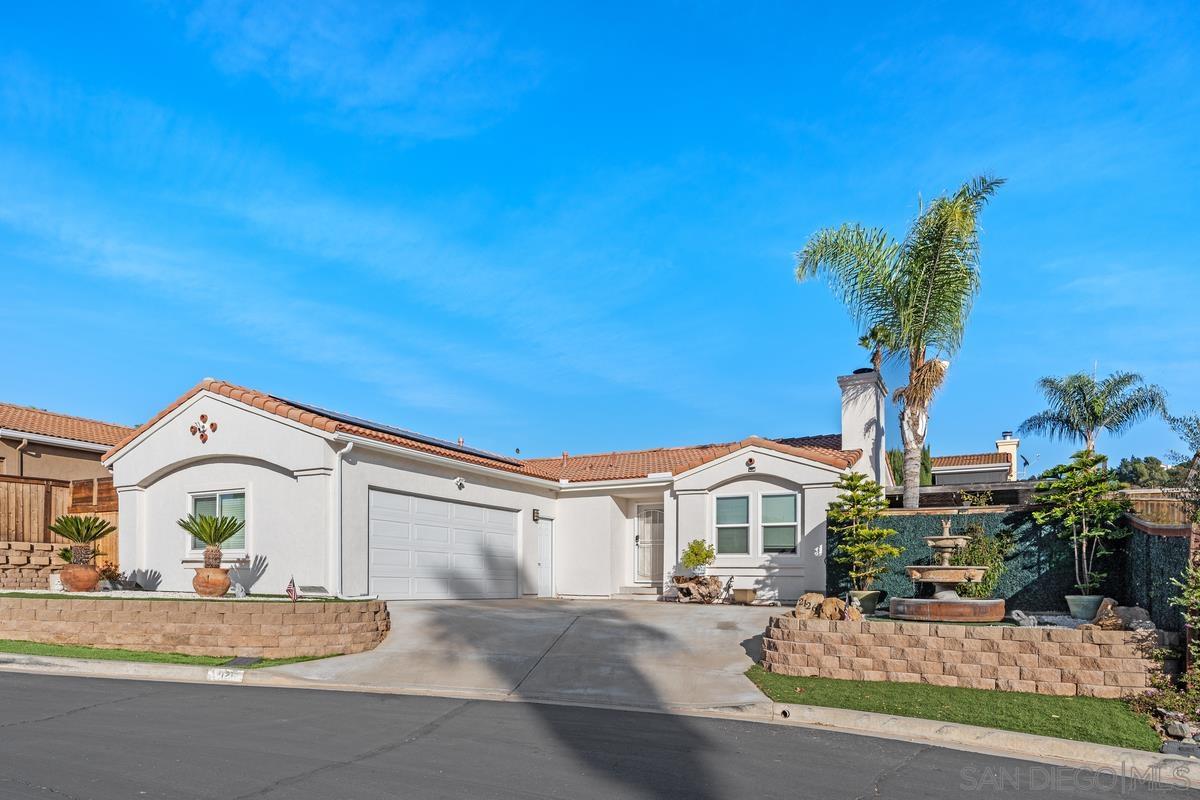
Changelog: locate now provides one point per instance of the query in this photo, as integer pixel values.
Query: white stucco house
(359, 508)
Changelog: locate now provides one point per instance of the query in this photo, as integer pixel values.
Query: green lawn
(75, 651)
(1084, 719)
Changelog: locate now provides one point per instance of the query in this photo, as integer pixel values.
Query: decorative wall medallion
(203, 428)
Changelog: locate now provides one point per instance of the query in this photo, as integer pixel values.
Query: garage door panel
(384, 557)
(468, 538)
(383, 530)
(431, 533)
(424, 558)
(464, 513)
(424, 506)
(502, 519)
(429, 548)
(395, 588)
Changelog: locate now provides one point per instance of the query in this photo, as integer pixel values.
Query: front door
(545, 557)
(648, 544)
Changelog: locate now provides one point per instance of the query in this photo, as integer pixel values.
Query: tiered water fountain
(946, 605)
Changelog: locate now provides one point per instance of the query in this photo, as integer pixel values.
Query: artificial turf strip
(1083, 719)
(101, 654)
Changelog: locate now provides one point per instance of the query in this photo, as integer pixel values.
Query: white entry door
(546, 558)
(648, 544)
(425, 548)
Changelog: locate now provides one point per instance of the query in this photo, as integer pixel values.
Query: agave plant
(213, 532)
(81, 532)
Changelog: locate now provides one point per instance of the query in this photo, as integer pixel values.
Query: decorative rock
(1181, 749)
(809, 604)
(1023, 619)
(1177, 730)
(853, 612)
(832, 608)
(1112, 617)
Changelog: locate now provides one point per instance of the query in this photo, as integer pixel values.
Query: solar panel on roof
(401, 432)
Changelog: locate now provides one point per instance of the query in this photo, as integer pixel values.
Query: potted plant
(698, 555)
(81, 574)
(1081, 501)
(861, 545)
(212, 580)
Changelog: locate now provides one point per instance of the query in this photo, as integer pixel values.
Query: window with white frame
(221, 504)
(733, 525)
(779, 523)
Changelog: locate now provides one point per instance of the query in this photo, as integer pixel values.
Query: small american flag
(291, 590)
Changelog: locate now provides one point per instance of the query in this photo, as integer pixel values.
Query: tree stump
(698, 588)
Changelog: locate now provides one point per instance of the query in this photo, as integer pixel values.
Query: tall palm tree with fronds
(1081, 407)
(914, 294)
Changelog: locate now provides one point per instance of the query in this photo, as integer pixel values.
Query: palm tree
(212, 532)
(82, 533)
(878, 340)
(1080, 407)
(917, 293)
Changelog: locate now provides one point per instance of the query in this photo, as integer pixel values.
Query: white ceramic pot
(700, 571)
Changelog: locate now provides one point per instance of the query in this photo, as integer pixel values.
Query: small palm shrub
(212, 532)
(699, 553)
(82, 532)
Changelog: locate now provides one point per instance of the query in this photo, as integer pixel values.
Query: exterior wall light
(750, 464)
(460, 483)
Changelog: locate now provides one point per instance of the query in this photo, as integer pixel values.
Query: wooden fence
(29, 505)
(1157, 506)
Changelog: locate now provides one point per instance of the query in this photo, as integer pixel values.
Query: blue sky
(571, 226)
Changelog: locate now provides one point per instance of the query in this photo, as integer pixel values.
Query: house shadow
(659, 755)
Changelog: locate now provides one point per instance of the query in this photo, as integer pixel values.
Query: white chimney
(1007, 444)
(864, 408)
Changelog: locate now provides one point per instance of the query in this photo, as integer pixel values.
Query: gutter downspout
(21, 458)
(335, 557)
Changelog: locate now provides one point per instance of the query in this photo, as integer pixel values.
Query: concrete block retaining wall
(199, 627)
(28, 565)
(1058, 661)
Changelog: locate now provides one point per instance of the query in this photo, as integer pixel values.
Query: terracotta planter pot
(210, 582)
(79, 577)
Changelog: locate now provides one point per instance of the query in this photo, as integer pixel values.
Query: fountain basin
(936, 573)
(956, 610)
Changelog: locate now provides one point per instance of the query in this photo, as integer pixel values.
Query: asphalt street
(89, 738)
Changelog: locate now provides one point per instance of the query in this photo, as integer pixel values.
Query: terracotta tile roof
(313, 419)
(824, 449)
(971, 460)
(47, 423)
(619, 465)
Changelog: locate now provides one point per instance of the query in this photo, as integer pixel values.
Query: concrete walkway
(621, 653)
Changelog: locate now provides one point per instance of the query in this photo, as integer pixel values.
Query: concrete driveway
(620, 653)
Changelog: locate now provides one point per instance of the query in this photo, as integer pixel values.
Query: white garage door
(421, 548)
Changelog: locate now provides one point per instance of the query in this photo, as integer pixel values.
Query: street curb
(1116, 761)
(1120, 762)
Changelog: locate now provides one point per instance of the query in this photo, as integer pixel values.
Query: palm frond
(82, 530)
(211, 531)
(858, 264)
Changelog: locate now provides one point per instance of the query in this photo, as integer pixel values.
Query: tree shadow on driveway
(653, 755)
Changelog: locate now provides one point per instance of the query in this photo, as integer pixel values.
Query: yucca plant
(212, 532)
(81, 532)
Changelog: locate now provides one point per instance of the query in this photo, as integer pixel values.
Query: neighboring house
(42, 444)
(361, 508)
(997, 467)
